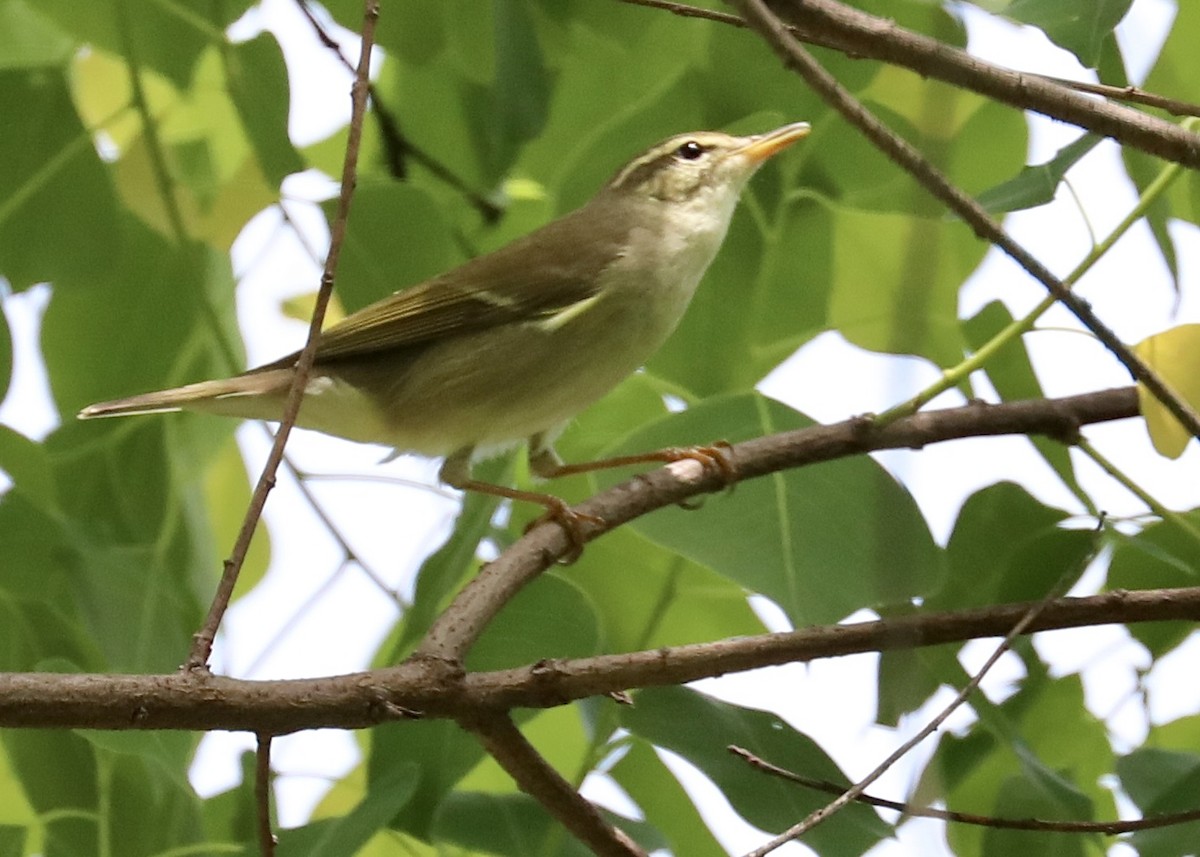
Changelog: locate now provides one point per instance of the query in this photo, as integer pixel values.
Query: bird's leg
(456, 472)
(544, 461)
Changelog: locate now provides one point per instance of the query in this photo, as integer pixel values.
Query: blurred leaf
(1036, 185)
(437, 752)
(345, 835)
(550, 618)
(395, 237)
(52, 184)
(28, 39)
(1159, 782)
(258, 85)
(1080, 26)
(26, 464)
(227, 493)
(1174, 355)
(896, 280)
(168, 37)
(514, 825)
(661, 798)
(821, 541)
(1162, 556)
(1011, 373)
(764, 801)
(6, 356)
(1008, 547)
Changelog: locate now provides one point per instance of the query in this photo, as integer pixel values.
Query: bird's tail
(253, 395)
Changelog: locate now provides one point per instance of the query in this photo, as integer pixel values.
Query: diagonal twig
(1104, 828)
(202, 641)
(796, 57)
(855, 791)
(861, 35)
(396, 143)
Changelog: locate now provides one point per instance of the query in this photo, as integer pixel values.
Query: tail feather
(253, 395)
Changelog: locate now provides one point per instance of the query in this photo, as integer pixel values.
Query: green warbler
(511, 345)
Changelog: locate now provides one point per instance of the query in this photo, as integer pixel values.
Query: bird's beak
(764, 146)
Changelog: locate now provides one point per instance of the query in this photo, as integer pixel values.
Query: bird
(511, 345)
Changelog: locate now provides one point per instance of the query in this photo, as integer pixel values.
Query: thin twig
(397, 144)
(851, 794)
(202, 641)
(1104, 828)
(796, 57)
(262, 794)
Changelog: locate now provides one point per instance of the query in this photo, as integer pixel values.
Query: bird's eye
(690, 150)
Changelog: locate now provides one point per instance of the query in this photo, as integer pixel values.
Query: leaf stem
(955, 375)
(1126, 481)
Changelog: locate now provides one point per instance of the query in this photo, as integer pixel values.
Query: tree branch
(359, 700)
(456, 630)
(534, 775)
(972, 213)
(858, 34)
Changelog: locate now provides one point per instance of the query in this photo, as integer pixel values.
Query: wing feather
(526, 280)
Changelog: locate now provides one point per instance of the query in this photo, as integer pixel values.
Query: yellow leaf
(301, 308)
(1174, 355)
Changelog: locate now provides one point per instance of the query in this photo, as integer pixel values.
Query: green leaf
(1007, 547)
(1012, 374)
(52, 184)
(896, 280)
(551, 618)
(513, 825)
(661, 798)
(646, 596)
(25, 462)
(167, 37)
(395, 237)
(1042, 737)
(1163, 555)
(1162, 781)
(28, 40)
(258, 85)
(767, 802)
(6, 356)
(1036, 185)
(439, 751)
(822, 541)
(1080, 26)
(344, 836)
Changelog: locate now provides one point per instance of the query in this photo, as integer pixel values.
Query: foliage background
(139, 140)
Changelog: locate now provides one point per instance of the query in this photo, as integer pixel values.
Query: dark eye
(690, 150)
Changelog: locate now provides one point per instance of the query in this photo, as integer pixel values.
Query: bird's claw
(572, 523)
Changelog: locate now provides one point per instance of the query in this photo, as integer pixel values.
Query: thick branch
(461, 624)
(200, 702)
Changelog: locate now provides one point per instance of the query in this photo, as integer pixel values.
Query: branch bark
(359, 700)
(826, 23)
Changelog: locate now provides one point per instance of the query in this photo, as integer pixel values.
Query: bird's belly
(536, 377)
